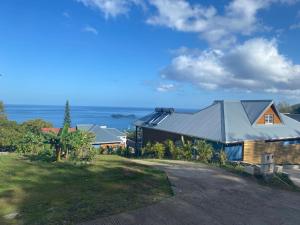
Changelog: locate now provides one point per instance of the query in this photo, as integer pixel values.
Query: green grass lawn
(65, 193)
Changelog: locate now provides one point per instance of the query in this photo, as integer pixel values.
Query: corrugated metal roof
(254, 108)
(293, 116)
(115, 132)
(102, 135)
(227, 122)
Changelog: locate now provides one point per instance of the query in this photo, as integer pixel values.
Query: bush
(148, 151)
(159, 150)
(222, 157)
(204, 151)
(31, 144)
(91, 154)
(171, 149)
(186, 151)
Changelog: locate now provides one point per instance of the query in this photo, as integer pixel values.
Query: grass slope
(64, 193)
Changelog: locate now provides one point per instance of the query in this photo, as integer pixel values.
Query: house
(104, 137)
(243, 129)
(56, 130)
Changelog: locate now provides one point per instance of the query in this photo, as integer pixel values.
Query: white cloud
(239, 17)
(111, 8)
(90, 29)
(165, 87)
(219, 29)
(255, 65)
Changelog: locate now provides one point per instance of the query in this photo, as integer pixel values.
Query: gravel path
(211, 196)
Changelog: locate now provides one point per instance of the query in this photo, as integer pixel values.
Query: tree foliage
(35, 126)
(284, 107)
(67, 117)
(31, 143)
(11, 134)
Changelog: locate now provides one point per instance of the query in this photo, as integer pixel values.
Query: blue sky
(179, 53)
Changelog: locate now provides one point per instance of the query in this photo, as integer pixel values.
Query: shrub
(91, 154)
(148, 151)
(30, 143)
(222, 157)
(204, 151)
(101, 150)
(171, 149)
(159, 150)
(186, 151)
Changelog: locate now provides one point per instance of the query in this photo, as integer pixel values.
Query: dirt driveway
(211, 196)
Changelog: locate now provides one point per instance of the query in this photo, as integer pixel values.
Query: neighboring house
(105, 137)
(55, 130)
(293, 116)
(244, 129)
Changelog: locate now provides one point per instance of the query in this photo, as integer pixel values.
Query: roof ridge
(223, 131)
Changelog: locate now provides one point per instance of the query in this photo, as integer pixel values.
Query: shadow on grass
(65, 193)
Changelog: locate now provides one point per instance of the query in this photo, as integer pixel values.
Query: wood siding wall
(272, 111)
(152, 135)
(282, 153)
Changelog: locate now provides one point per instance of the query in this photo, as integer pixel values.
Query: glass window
(269, 119)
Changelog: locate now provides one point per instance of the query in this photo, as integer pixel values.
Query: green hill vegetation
(285, 107)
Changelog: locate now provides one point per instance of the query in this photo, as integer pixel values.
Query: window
(269, 119)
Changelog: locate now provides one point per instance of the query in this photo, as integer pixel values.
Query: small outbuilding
(105, 137)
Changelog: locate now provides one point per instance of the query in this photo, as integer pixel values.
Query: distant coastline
(120, 116)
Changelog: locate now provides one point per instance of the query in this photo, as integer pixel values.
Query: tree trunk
(58, 154)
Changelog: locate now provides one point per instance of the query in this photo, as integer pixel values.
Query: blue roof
(227, 122)
(254, 108)
(102, 134)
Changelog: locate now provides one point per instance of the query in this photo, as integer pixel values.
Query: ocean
(117, 117)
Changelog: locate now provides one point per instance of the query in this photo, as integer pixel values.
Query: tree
(55, 142)
(67, 118)
(36, 125)
(284, 107)
(78, 144)
(204, 151)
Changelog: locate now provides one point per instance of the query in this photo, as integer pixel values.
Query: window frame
(269, 119)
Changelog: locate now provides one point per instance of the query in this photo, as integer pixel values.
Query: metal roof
(293, 116)
(102, 135)
(227, 122)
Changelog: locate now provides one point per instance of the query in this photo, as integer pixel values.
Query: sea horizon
(121, 117)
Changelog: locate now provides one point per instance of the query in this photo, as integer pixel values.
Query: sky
(147, 53)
